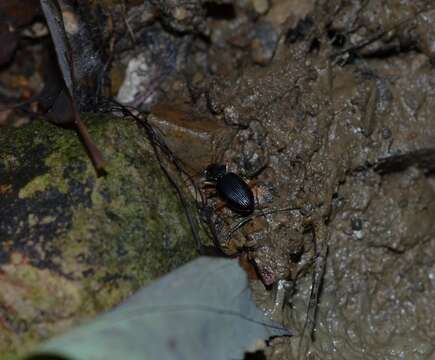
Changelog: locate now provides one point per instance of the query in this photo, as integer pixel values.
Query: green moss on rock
(75, 242)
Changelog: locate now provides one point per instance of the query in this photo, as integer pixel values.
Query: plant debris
(324, 108)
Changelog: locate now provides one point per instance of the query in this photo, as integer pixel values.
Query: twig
(306, 338)
(94, 154)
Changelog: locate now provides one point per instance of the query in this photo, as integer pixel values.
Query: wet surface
(336, 127)
(326, 110)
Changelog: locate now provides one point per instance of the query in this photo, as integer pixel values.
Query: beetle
(231, 188)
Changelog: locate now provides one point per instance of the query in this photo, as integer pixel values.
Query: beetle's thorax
(214, 172)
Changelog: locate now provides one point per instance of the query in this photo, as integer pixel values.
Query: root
(307, 335)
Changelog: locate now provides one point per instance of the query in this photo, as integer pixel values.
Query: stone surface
(72, 244)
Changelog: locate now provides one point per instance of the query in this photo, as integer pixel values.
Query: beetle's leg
(211, 194)
(207, 186)
(209, 189)
(208, 183)
(238, 226)
(236, 241)
(264, 212)
(252, 185)
(256, 191)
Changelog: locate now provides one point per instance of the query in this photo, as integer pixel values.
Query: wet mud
(332, 112)
(326, 109)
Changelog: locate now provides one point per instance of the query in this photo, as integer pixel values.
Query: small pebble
(264, 44)
(386, 133)
(356, 224)
(260, 6)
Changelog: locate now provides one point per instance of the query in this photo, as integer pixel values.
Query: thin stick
(92, 150)
(317, 279)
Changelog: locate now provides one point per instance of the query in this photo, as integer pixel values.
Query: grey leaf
(54, 19)
(201, 311)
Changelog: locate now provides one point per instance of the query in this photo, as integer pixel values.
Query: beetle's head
(215, 171)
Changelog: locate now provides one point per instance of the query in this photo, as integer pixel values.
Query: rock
(427, 34)
(14, 16)
(197, 141)
(72, 244)
(147, 69)
(264, 43)
(408, 25)
(283, 10)
(181, 15)
(260, 6)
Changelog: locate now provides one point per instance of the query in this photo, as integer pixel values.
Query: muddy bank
(338, 127)
(326, 109)
(355, 157)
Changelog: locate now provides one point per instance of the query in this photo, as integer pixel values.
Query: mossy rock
(73, 244)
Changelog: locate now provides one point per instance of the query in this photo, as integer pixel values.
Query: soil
(326, 108)
(337, 124)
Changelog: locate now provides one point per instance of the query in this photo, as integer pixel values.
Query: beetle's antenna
(158, 143)
(237, 227)
(249, 218)
(273, 211)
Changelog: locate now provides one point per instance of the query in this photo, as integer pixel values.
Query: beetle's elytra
(231, 188)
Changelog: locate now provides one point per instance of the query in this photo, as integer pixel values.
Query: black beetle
(231, 188)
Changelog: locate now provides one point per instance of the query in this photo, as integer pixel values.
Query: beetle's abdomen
(236, 193)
